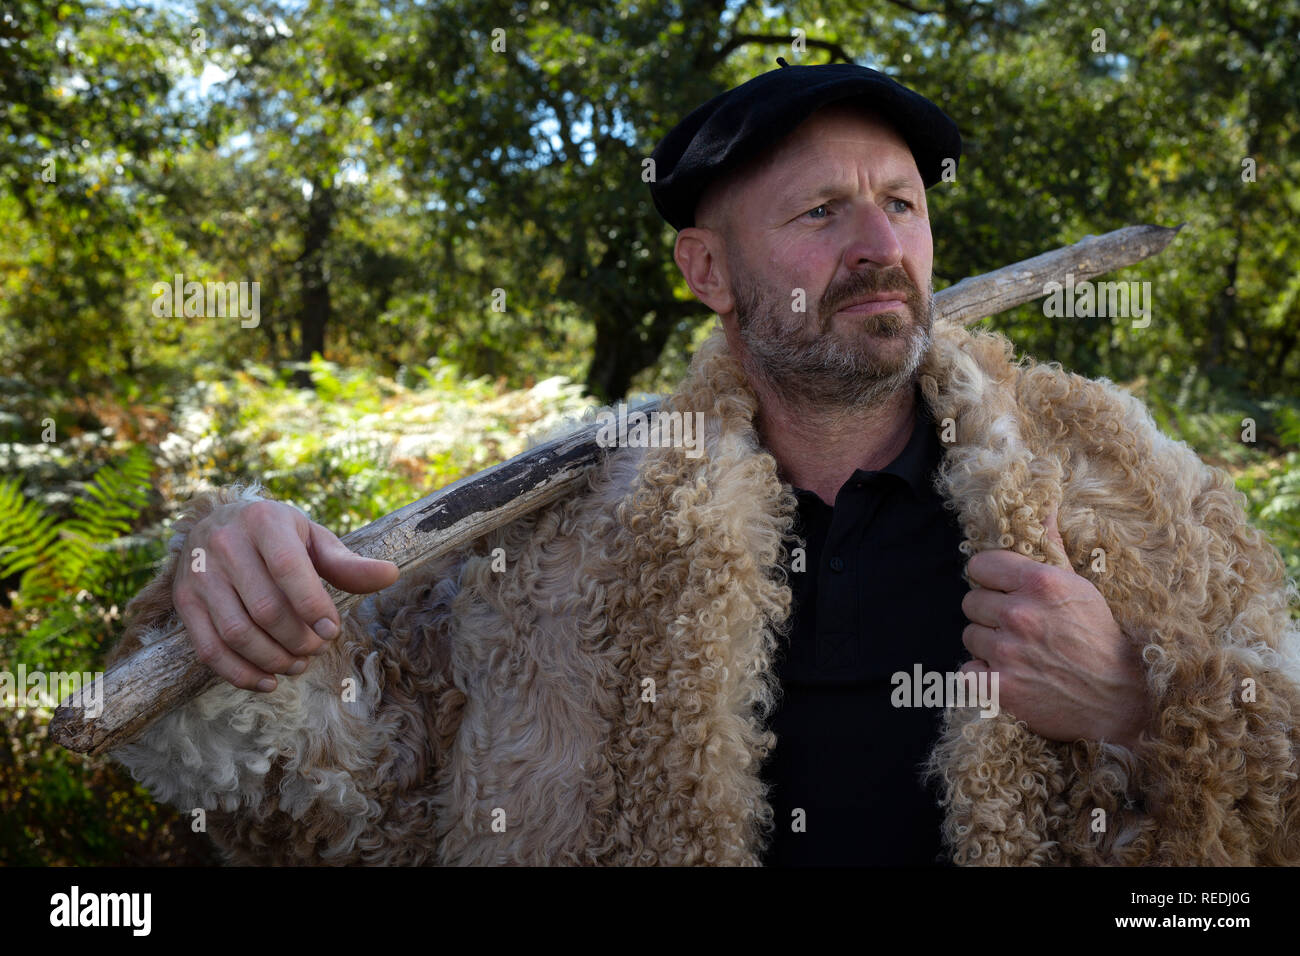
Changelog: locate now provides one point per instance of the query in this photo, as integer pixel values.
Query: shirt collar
(917, 461)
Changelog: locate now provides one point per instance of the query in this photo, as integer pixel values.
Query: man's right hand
(258, 608)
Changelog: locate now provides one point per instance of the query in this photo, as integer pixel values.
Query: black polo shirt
(881, 593)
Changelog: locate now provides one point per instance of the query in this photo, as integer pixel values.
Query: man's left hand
(1065, 668)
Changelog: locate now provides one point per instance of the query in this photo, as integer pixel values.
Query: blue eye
(822, 207)
(906, 205)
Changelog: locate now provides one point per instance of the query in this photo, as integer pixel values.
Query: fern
(26, 532)
(111, 503)
(76, 573)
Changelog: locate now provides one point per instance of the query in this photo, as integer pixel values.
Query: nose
(873, 239)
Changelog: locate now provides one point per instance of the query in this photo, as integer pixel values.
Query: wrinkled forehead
(840, 135)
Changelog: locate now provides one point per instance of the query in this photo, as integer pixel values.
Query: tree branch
(919, 11)
(740, 39)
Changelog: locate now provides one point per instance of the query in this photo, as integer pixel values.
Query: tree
(82, 105)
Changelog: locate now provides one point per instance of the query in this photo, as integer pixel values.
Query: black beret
(741, 123)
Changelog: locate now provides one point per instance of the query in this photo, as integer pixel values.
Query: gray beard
(825, 373)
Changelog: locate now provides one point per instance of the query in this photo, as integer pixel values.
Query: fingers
(983, 606)
(212, 650)
(295, 596)
(240, 629)
(253, 605)
(1052, 531)
(260, 609)
(999, 570)
(240, 622)
(1058, 555)
(345, 569)
(981, 641)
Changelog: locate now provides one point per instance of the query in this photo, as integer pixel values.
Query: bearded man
(699, 659)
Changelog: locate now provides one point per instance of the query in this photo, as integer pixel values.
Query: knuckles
(266, 610)
(223, 542)
(235, 632)
(282, 563)
(207, 652)
(261, 512)
(1021, 618)
(1048, 582)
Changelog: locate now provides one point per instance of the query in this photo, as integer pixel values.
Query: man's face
(837, 211)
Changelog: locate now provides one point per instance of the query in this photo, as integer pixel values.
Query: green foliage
(26, 528)
(356, 446)
(349, 449)
(60, 809)
(1213, 420)
(381, 169)
(75, 575)
(1274, 493)
(84, 107)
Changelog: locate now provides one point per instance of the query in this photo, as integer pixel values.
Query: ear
(700, 253)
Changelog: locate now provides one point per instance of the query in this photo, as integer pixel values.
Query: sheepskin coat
(604, 699)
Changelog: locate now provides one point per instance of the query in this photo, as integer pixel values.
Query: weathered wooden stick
(976, 297)
(166, 674)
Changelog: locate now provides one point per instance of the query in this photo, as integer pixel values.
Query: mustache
(871, 282)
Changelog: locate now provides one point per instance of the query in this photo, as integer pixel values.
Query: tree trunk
(315, 311)
(1225, 308)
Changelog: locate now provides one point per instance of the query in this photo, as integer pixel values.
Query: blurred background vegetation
(381, 168)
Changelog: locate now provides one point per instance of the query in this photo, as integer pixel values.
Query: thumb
(346, 569)
(1052, 535)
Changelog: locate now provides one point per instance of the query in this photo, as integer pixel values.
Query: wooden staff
(166, 674)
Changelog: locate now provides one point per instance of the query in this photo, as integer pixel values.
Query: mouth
(872, 304)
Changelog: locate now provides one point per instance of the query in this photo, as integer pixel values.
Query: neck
(818, 449)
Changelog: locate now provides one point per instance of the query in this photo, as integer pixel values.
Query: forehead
(832, 147)
(840, 136)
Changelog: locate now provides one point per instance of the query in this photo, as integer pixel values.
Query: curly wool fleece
(502, 717)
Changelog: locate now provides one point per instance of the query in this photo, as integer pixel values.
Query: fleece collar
(959, 387)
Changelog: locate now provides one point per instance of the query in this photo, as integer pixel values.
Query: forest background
(443, 207)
